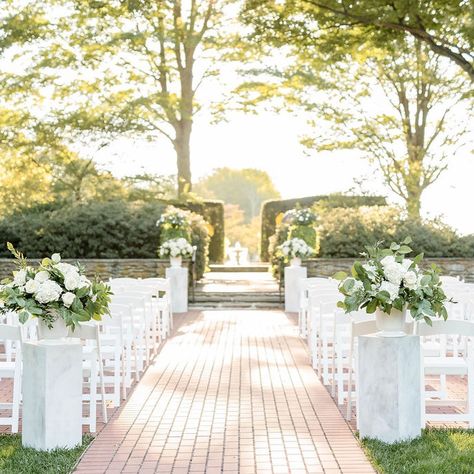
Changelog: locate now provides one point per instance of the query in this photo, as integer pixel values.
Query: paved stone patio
(231, 392)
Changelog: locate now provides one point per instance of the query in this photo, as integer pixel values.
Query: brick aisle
(232, 392)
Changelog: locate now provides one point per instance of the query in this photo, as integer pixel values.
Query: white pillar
(52, 394)
(293, 275)
(179, 288)
(389, 395)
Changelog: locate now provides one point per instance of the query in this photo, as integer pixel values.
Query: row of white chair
(116, 350)
(332, 339)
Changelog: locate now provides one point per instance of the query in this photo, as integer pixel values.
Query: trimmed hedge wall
(271, 209)
(213, 213)
(114, 229)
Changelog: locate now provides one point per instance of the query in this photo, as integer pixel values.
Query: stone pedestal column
(52, 394)
(179, 288)
(389, 388)
(293, 275)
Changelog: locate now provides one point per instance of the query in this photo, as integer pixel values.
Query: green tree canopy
(247, 188)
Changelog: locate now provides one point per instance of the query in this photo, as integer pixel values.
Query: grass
(15, 459)
(437, 451)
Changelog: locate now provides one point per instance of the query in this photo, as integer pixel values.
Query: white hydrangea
(68, 298)
(19, 278)
(296, 248)
(47, 292)
(394, 272)
(42, 276)
(32, 286)
(391, 289)
(176, 248)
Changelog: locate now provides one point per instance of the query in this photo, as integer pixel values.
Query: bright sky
(270, 142)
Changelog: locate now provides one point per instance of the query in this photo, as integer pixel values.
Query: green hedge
(345, 233)
(114, 229)
(213, 213)
(271, 209)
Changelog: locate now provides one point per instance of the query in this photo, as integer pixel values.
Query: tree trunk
(413, 202)
(183, 156)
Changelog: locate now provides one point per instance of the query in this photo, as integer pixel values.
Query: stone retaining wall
(462, 267)
(105, 269)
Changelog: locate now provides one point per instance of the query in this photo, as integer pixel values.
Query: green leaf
(404, 249)
(408, 240)
(428, 321)
(23, 316)
(372, 306)
(340, 276)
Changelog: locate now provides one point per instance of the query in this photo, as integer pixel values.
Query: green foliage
(178, 223)
(114, 229)
(272, 209)
(247, 188)
(200, 239)
(344, 232)
(306, 233)
(15, 459)
(440, 451)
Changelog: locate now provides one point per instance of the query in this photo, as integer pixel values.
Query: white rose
(407, 263)
(32, 286)
(68, 298)
(388, 260)
(84, 282)
(20, 278)
(42, 276)
(411, 280)
(47, 292)
(391, 289)
(72, 280)
(65, 268)
(56, 257)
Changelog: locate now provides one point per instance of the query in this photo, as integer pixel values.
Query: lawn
(14, 459)
(437, 451)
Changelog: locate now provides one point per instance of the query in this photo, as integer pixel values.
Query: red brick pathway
(231, 392)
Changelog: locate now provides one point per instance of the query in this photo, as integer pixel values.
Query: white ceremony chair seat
(12, 370)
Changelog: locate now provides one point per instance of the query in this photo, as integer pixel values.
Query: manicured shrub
(115, 229)
(345, 232)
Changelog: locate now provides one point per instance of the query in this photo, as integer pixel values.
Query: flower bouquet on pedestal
(57, 293)
(389, 284)
(294, 250)
(176, 249)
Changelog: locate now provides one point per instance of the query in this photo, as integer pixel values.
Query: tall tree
(247, 188)
(135, 68)
(445, 26)
(402, 105)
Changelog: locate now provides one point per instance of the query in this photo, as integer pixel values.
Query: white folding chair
(92, 366)
(460, 364)
(12, 370)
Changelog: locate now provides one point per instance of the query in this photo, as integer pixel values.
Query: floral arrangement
(176, 248)
(295, 248)
(388, 279)
(304, 217)
(53, 290)
(173, 218)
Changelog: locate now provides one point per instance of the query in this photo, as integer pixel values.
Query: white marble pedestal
(179, 288)
(389, 388)
(52, 394)
(293, 275)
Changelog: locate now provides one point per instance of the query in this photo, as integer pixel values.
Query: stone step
(234, 305)
(250, 268)
(235, 297)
